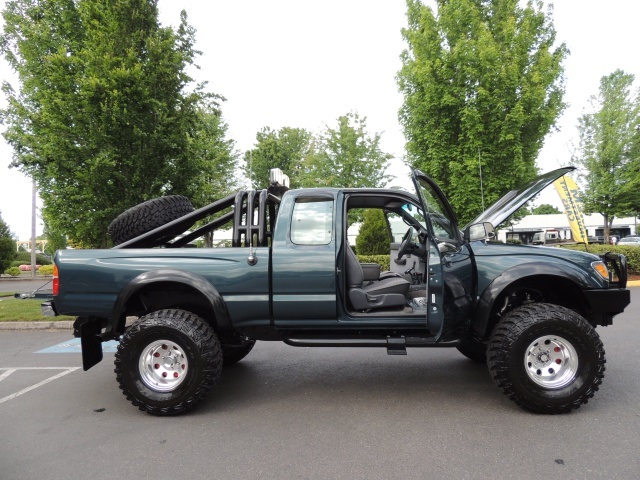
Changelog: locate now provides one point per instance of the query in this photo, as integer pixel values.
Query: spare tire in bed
(148, 216)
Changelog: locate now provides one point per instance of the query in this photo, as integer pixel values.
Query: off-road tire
(473, 349)
(148, 216)
(192, 348)
(519, 363)
(235, 349)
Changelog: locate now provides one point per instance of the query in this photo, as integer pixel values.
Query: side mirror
(479, 231)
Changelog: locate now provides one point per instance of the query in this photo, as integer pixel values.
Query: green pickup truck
(290, 275)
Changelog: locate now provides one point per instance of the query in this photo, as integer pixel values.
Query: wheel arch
(171, 288)
(557, 284)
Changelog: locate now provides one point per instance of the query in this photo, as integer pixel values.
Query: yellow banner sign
(570, 196)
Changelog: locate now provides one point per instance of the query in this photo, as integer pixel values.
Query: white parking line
(9, 371)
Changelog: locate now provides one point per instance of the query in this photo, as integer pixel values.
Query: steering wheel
(406, 246)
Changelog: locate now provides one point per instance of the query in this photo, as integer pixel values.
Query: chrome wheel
(551, 362)
(163, 365)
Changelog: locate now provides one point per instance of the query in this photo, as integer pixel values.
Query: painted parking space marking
(8, 371)
(73, 346)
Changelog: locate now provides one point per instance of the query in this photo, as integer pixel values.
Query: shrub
(632, 254)
(373, 238)
(383, 260)
(25, 257)
(46, 270)
(13, 271)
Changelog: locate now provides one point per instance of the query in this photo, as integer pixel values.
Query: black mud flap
(89, 329)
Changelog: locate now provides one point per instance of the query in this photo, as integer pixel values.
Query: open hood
(513, 200)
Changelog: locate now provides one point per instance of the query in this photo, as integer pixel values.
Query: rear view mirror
(479, 231)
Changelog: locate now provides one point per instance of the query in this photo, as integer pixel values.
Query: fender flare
(487, 299)
(197, 282)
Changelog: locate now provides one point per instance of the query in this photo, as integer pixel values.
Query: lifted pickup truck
(290, 275)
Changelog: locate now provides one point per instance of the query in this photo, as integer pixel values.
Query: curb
(51, 326)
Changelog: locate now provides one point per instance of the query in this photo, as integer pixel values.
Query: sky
(292, 63)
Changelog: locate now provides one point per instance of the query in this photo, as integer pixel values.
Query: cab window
(312, 221)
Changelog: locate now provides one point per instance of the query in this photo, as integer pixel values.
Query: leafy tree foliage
(482, 84)
(213, 159)
(285, 149)
(609, 149)
(373, 238)
(544, 209)
(103, 119)
(346, 156)
(7, 246)
(56, 240)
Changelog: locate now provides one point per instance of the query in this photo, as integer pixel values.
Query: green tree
(608, 149)
(483, 84)
(544, 209)
(373, 237)
(214, 156)
(105, 110)
(347, 157)
(7, 246)
(285, 149)
(56, 240)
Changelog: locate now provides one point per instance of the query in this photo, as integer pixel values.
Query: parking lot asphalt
(287, 412)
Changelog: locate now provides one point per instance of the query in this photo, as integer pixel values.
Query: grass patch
(24, 310)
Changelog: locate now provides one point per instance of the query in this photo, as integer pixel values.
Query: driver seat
(387, 292)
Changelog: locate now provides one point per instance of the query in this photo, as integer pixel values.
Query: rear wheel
(546, 358)
(168, 361)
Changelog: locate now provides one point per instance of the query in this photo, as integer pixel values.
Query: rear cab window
(312, 221)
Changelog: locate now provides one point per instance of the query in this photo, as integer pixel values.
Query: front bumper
(605, 304)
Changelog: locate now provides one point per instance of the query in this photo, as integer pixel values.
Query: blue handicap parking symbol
(73, 346)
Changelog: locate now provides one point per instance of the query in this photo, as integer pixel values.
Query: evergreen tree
(7, 246)
(373, 238)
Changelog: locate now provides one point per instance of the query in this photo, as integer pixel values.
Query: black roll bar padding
(245, 220)
(262, 219)
(237, 218)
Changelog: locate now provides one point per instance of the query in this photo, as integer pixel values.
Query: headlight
(602, 269)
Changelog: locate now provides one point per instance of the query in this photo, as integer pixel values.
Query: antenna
(250, 168)
(481, 187)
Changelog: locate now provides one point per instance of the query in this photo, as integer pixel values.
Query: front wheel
(546, 358)
(168, 361)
